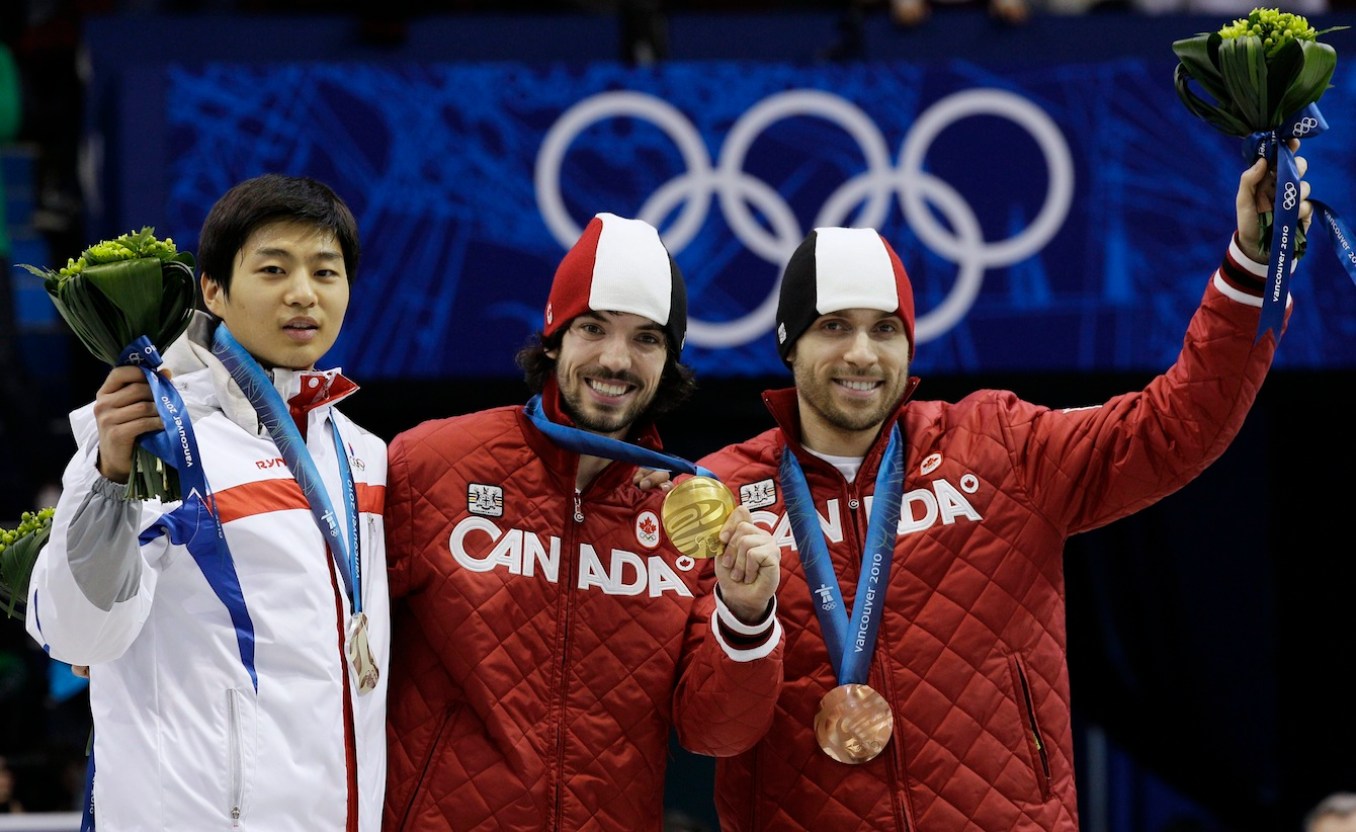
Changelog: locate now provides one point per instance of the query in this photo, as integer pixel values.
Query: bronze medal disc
(694, 513)
(853, 724)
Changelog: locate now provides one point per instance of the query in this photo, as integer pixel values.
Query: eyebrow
(603, 317)
(283, 252)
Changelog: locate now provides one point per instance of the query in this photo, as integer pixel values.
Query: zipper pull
(578, 507)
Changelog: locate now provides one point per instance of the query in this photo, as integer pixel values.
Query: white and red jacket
(549, 639)
(182, 739)
(970, 653)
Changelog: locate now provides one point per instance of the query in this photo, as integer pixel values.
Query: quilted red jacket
(971, 649)
(545, 642)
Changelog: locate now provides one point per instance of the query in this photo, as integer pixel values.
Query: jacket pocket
(1035, 740)
(422, 773)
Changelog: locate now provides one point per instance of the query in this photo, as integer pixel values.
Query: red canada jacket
(544, 642)
(970, 653)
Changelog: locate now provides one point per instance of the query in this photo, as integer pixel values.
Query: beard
(819, 395)
(599, 418)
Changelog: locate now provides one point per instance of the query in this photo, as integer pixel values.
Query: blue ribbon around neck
(850, 642)
(276, 418)
(194, 524)
(593, 444)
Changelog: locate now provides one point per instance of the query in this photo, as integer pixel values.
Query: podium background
(1208, 633)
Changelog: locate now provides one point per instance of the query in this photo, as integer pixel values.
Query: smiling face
(608, 368)
(289, 292)
(851, 368)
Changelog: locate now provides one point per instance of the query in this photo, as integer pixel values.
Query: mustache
(605, 374)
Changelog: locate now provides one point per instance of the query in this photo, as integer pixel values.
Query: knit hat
(619, 265)
(841, 268)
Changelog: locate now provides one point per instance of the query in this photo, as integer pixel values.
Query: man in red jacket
(926, 684)
(546, 633)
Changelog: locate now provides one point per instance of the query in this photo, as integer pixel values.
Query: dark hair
(270, 198)
(676, 383)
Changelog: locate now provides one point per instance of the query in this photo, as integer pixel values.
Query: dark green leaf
(1200, 62)
(1242, 62)
(16, 567)
(1222, 119)
(1310, 81)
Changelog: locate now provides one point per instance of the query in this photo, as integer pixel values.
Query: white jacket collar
(193, 352)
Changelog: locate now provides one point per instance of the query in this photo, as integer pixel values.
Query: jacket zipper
(235, 748)
(349, 716)
(567, 584)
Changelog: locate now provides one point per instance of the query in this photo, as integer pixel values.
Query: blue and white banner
(1056, 218)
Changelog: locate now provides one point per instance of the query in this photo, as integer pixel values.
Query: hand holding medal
(694, 513)
(702, 521)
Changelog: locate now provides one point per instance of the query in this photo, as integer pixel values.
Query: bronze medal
(853, 724)
(360, 654)
(694, 513)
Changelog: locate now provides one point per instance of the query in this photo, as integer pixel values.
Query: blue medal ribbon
(194, 524)
(593, 444)
(1273, 145)
(87, 823)
(851, 642)
(274, 416)
(1340, 235)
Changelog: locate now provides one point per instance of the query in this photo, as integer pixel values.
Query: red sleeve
(726, 694)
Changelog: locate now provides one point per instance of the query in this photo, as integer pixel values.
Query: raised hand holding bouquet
(1266, 73)
(18, 550)
(126, 299)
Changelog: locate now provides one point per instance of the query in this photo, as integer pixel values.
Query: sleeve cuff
(108, 489)
(746, 642)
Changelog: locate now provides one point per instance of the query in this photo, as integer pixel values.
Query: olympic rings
(1289, 196)
(963, 243)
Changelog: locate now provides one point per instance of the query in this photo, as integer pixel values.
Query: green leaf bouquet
(116, 292)
(18, 550)
(1260, 70)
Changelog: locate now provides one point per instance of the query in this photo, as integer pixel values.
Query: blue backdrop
(1055, 213)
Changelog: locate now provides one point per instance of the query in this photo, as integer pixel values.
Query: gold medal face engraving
(694, 513)
(360, 654)
(853, 724)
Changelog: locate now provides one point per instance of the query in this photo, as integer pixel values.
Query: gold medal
(694, 513)
(360, 654)
(853, 724)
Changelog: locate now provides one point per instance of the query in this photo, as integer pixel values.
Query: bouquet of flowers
(117, 292)
(18, 550)
(1262, 71)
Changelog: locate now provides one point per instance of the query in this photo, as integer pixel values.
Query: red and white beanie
(619, 265)
(841, 268)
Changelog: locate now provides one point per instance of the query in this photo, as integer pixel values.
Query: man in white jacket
(237, 641)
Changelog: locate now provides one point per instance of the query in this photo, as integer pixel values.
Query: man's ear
(213, 296)
(553, 354)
